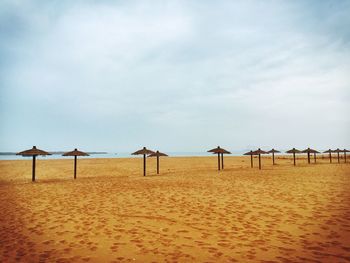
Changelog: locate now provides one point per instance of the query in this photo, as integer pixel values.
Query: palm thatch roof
(33, 152)
(329, 151)
(143, 151)
(293, 151)
(309, 150)
(157, 153)
(75, 153)
(219, 150)
(273, 151)
(338, 151)
(346, 151)
(259, 151)
(249, 153)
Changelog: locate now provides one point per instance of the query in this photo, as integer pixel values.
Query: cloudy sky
(174, 75)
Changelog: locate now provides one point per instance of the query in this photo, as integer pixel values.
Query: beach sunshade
(330, 154)
(308, 151)
(293, 151)
(338, 151)
(157, 154)
(219, 151)
(251, 157)
(259, 152)
(75, 153)
(33, 152)
(144, 151)
(273, 151)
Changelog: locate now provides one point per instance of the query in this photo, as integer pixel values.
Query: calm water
(109, 155)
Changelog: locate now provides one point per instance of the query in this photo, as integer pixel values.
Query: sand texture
(188, 213)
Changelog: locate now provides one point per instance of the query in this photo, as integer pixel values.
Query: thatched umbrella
(219, 151)
(308, 151)
(33, 152)
(345, 151)
(338, 151)
(144, 151)
(273, 151)
(75, 153)
(157, 154)
(330, 154)
(251, 157)
(259, 152)
(293, 151)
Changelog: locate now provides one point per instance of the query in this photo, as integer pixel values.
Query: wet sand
(188, 213)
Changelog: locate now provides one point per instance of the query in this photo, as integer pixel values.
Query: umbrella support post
(273, 158)
(330, 157)
(344, 156)
(222, 161)
(157, 164)
(218, 161)
(338, 158)
(33, 169)
(314, 157)
(251, 161)
(294, 158)
(75, 167)
(259, 161)
(308, 157)
(144, 165)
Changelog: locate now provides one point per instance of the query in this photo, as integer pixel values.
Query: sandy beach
(188, 213)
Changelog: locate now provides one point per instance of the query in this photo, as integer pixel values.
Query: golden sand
(188, 213)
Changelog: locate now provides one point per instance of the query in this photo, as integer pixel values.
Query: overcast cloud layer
(174, 75)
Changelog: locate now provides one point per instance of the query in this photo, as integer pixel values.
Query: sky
(174, 75)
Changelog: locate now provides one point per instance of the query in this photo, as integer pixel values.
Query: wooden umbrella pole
(144, 165)
(75, 167)
(294, 157)
(251, 161)
(338, 158)
(330, 157)
(33, 169)
(314, 157)
(273, 158)
(345, 156)
(308, 157)
(259, 161)
(219, 161)
(157, 164)
(222, 161)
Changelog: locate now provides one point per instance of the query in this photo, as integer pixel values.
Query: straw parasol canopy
(144, 151)
(273, 151)
(338, 151)
(33, 152)
(220, 151)
(75, 153)
(157, 154)
(293, 151)
(330, 154)
(251, 157)
(259, 152)
(308, 151)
